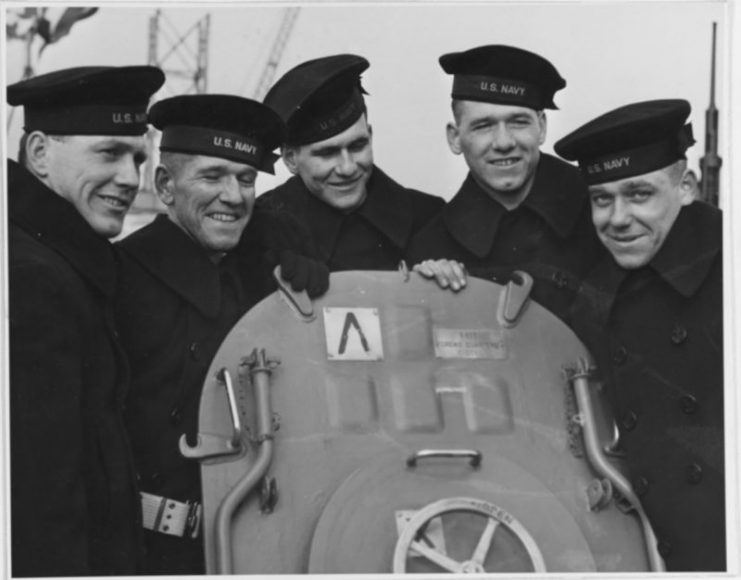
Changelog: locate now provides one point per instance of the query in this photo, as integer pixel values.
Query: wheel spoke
(445, 562)
(482, 548)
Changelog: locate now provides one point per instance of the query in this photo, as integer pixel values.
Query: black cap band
(637, 160)
(87, 119)
(214, 143)
(313, 127)
(496, 90)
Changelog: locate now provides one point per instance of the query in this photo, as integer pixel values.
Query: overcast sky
(610, 53)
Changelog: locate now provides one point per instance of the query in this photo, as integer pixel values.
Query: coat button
(194, 351)
(679, 334)
(629, 420)
(620, 355)
(559, 279)
(688, 404)
(665, 548)
(694, 473)
(176, 416)
(640, 485)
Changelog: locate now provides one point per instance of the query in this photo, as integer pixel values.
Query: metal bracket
(404, 270)
(298, 301)
(268, 495)
(257, 361)
(514, 297)
(599, 494)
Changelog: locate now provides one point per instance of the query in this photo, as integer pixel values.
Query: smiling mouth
(116, 202)
(625, 239)
(508, 162)
(225, 218)
(346, 184)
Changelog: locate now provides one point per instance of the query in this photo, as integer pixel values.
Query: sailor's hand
(447, 273)
(304, 273)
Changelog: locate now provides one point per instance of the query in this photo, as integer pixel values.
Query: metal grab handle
(579, 378)
(513, 298)
(224, 377)
(298, 301)
(209, 445)
(472, 455)
(260, 368)
(612, 448)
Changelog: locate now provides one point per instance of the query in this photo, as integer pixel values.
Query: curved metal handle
(210, 445)
(299, 302)
(472, 455)
(612, 448)
(224, 377)
(260, 368)
(579, 378)
(513, 298)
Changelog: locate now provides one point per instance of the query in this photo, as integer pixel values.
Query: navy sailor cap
(90, 100)
(631, 140)
(503, 75)
(224, 126)
(319, 98)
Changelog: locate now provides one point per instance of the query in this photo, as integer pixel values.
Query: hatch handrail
(260, 368)
(579, 378)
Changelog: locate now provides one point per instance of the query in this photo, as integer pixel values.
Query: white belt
(169, 516)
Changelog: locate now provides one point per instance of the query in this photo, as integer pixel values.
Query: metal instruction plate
(486, 343)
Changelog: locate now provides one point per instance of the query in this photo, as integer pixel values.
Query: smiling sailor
(73, 491)
(187, 278)
(518, 208)
(360, 218)
(652, 313)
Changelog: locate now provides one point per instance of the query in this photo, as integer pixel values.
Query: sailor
(360, 218)
(187, 278)
(518, 208)
(74, 503)
(651, 312)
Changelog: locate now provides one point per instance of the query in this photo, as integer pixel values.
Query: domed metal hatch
(391, 426)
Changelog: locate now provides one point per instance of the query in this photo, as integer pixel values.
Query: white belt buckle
(171, 517)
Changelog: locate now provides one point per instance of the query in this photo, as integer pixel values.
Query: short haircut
(676, 170)
(22, 158)
(22, 149)
(173, 161)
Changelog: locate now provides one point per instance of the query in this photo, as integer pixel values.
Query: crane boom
(279, 44)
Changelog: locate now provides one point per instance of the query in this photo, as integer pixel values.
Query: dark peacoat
(550, 235)
(75, 507)
(174, 308)
(375, 236)
(657, 333)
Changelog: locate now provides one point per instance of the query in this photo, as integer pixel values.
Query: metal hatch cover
(330, 417)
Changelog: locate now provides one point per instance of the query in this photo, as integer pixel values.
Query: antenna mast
(711, 162)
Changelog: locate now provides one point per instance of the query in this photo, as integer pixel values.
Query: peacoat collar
(172, 257)
(684, 260)
(55, 222)
(387, 207)
(558, 195)
(690, 248)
